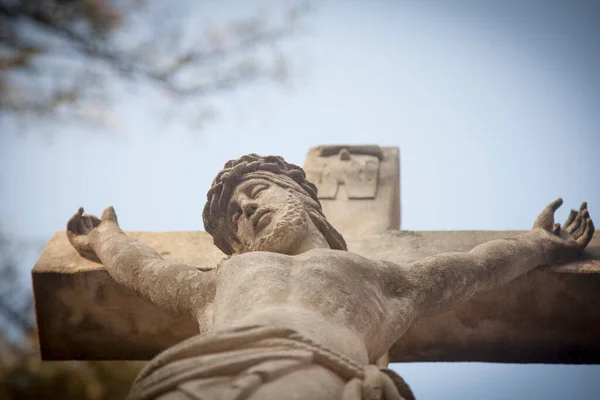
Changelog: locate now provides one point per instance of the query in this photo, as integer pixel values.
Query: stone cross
(550, 315)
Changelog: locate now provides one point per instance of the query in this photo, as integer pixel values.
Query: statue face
(267, 217)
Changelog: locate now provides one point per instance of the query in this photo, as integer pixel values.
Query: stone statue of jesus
(291, 314)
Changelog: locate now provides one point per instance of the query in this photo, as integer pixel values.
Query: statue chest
(333, 283)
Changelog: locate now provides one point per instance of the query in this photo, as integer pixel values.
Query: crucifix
(549, 314)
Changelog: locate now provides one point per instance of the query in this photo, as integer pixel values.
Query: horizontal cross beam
(551, 315)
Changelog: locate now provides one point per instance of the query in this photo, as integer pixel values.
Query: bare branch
(226, 59)
(259, 38)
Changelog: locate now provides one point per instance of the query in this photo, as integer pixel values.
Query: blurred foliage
(22, 374)
(26, 377)
(69, 57)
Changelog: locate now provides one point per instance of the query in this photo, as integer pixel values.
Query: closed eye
(257, 189)
(236, 216)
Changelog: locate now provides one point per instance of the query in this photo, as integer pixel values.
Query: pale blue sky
(494, 106)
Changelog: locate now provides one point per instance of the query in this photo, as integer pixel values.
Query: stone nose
(249, 208)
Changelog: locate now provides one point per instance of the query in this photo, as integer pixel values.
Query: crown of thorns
(232, 173)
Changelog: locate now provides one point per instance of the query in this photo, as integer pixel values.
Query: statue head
(259, 203)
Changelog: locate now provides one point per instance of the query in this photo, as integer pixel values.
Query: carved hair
(272, 168)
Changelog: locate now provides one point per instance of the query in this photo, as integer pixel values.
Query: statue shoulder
(253, 258)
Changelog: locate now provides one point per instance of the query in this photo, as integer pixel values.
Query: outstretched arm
(444, 281)
(178, 289)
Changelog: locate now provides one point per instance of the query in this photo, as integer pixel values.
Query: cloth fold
(232, 364)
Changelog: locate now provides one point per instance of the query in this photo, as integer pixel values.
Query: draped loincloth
(232, 364)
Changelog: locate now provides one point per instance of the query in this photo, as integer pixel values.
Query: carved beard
(290, 227)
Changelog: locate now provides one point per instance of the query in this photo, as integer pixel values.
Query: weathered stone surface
(83, 314)
(542, 317)
(289, 304)
(372, 166)
(549, 315)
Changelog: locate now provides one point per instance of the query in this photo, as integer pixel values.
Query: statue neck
(313, 239)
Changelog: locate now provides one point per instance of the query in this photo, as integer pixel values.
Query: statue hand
(83, 231)
(573, 236)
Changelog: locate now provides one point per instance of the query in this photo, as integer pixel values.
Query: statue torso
(336, 298)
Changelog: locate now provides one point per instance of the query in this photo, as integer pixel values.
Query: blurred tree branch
(91, 44)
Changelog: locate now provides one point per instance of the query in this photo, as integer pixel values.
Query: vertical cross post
(357, 182)
(359, 190)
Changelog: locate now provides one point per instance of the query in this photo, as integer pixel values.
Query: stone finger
(545, 220)
(556, 229)
(570, 219)
(585, 214)
(95, 221)
(72, 225)
(575, 225)
(555, 204)
(583, 206)
(87, 224)
(588, 233)
(580, 229)
(79, 226)
(109, 214)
